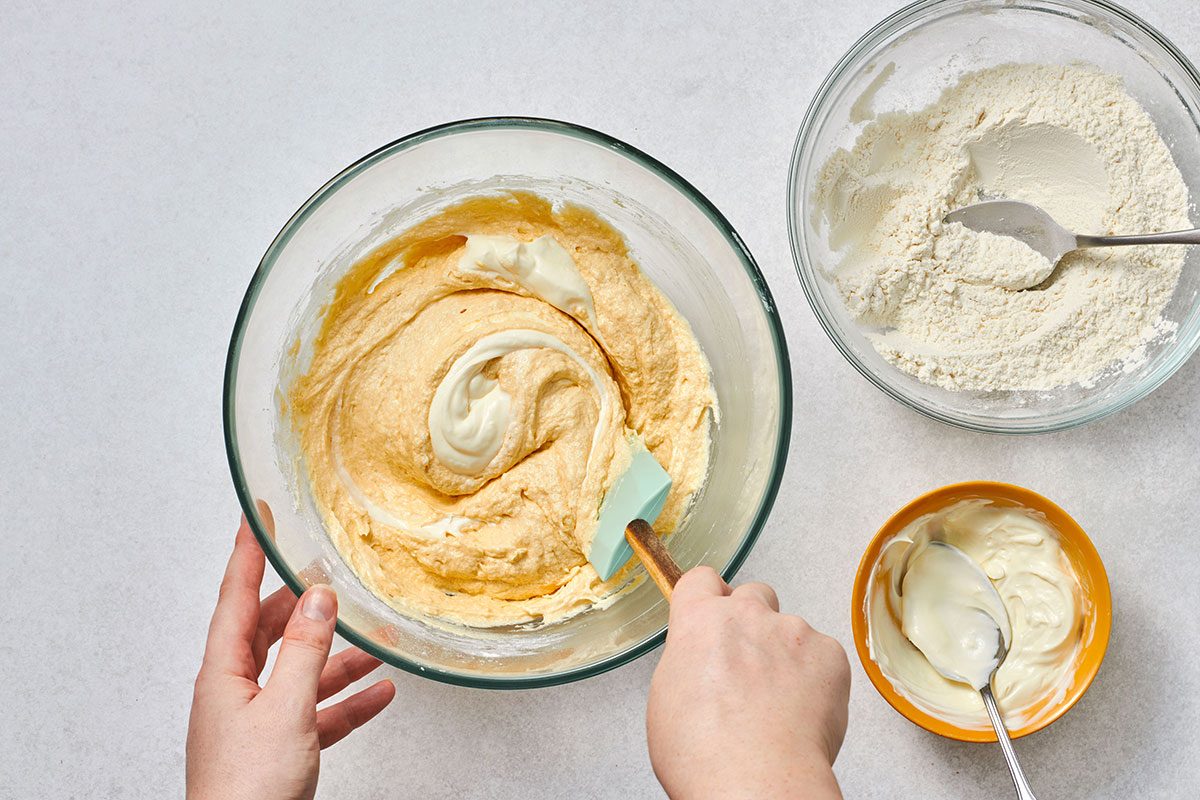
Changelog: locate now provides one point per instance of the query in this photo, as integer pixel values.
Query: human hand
(746, 702)
(246, 741)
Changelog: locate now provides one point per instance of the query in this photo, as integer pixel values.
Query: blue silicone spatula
(629, 508)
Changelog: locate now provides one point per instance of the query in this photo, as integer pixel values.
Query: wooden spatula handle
(654, 555)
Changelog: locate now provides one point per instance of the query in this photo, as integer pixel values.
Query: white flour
(940, 298)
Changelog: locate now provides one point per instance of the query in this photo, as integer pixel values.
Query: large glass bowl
(682, 243)
(931, 44)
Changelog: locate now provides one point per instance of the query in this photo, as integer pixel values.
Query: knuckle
(356, 715)
(743, 601)
(699, 575)
(209, 670)
(754, 589)
(840, 658)
(341, 672)
(748, 603)
(800, 628)
(200, 685)
(832, 646)
(833, 654)
(301, 637)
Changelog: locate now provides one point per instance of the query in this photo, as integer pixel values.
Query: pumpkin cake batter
(475, 389)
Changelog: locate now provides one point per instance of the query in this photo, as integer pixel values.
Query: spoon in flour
(953, 614)
(1029, 224)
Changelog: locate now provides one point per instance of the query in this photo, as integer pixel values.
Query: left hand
(247, 741)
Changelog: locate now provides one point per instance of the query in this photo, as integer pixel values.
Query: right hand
(746, 701)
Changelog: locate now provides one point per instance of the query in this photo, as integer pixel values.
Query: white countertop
(149, 156)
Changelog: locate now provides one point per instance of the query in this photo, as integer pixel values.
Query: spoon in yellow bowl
(954, 615)
(1029, 224)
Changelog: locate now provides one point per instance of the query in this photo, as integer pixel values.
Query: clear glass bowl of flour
(681, 242)
(903, 64)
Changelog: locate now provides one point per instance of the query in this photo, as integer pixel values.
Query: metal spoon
(1033, 226)
(1010, 755)
(949, 671)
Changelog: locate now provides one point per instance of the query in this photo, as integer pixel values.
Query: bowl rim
(1093, 652)
(918, 11)
(517, 123)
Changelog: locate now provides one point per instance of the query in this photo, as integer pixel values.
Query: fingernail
(319, 603)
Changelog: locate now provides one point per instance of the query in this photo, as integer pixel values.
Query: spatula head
(638, 494)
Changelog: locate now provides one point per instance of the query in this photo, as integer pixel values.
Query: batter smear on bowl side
(476, 388)
(945, 303)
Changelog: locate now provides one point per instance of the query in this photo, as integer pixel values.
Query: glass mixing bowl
(931, 44)
(681, 242)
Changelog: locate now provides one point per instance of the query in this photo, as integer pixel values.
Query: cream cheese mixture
(945, 303)
(475, 390)
(1042, 618)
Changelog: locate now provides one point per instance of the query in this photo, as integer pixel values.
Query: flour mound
(943, 302)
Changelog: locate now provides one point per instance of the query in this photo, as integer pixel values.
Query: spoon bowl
(1035, 228)
(1024, 222)
(953, 614)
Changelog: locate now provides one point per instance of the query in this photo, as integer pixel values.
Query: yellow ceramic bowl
(1078, 548)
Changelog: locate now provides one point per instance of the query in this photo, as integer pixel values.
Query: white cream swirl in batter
(472, 396)
(469, 416)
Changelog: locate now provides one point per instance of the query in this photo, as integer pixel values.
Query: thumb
(305, 647)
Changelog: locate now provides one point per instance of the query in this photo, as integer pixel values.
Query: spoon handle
(654, 555)
(1010, 757)
(1174, 237)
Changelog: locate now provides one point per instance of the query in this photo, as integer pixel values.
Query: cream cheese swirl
(469, 415)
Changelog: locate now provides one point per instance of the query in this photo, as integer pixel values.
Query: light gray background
(149, 154)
